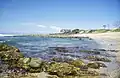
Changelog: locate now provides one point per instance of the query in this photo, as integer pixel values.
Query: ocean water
(40, 46)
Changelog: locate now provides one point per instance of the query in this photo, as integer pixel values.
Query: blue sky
(46, 16)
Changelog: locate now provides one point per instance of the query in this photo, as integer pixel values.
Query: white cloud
(41, 26)
(55, 28)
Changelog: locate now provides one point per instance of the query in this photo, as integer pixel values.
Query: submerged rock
(113, 50)
(99, 49)
(90, 52)
(96, 65)
(61, 49)
(93, 65)
(96, 58)
(59, 59)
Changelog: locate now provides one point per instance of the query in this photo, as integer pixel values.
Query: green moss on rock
(62, 69)
(96, 58)
(96, 65)
(93, 65)
(77, 63)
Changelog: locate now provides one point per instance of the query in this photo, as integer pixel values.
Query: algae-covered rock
(105, 59)
(35, 62)
(70, 69)
(62, 69)
(5, 47)
(77, 63)
(65, 70)
(59, 59)
(96, 58)
(93, 65)
(8, 53)
(26, 60)
(96, 65)
(90, 52)
(101, 64)
(89, 73)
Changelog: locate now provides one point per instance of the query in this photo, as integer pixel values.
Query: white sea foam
(6, 35)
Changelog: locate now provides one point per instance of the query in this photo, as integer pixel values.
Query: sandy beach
(112, 38)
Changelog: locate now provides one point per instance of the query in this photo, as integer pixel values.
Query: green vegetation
(76, 31)
(101, 31)
(66, 33)
(116, 30)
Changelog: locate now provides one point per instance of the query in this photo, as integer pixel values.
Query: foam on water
(6, 35)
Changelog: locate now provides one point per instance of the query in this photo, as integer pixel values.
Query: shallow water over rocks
(47, 48)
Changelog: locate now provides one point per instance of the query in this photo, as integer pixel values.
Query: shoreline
(108, 41)
(112, 40)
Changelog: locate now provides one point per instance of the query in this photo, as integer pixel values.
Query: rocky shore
(14, 64)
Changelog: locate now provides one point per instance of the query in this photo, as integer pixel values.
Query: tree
(117, 24)
(75, 31)
(65, 31)
(104, 26)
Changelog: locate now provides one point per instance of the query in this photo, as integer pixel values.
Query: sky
(49, 16)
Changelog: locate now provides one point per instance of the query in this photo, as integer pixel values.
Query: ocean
(40, 46)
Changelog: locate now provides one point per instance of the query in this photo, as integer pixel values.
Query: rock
(62, 69)
(90, 52)
(103, 74)
(26, 60)
(77, 63)
(93, 65)
(35, 65)
(52, 76)
(35, 62)
(113, 50)
(96, 65)
(99, 49)
(26, 66)
(94, 73)
(88, 73)
(61, 49)
(105, 59)
(84, 68)
(96, 58)
(61, 59)
(17, 50)
(9, 53)
(5, 47)
(101, 64)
